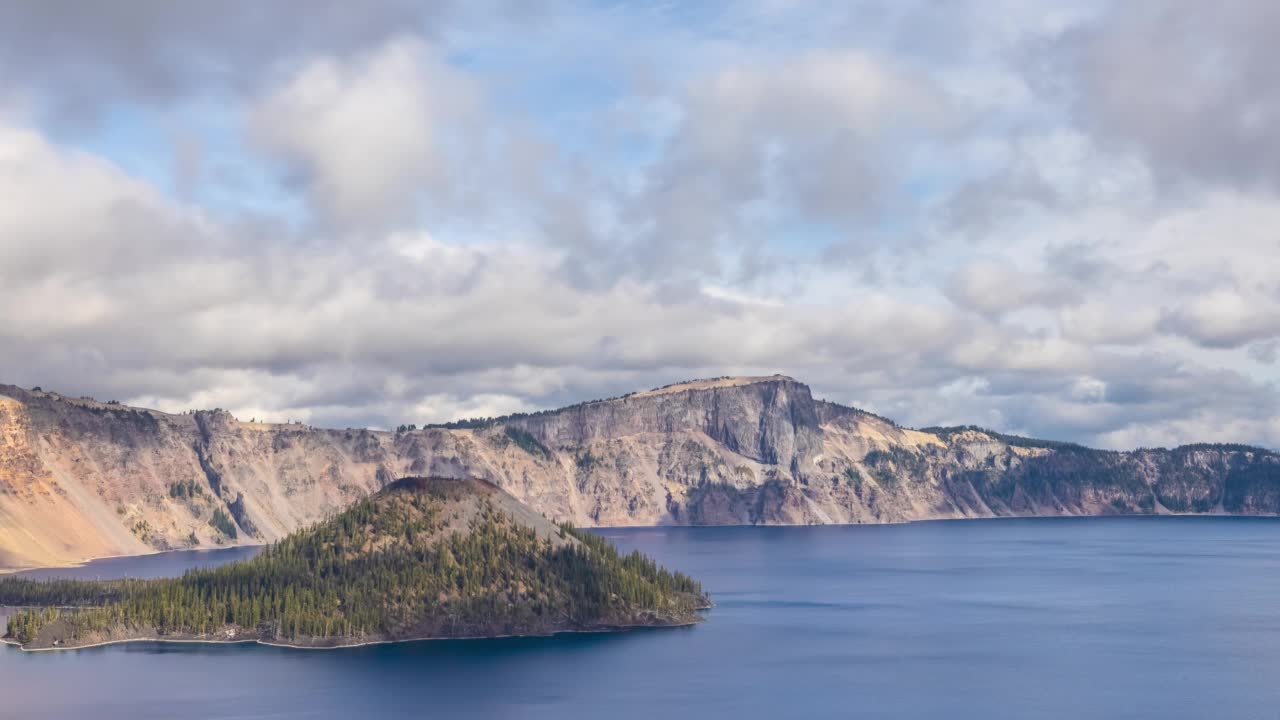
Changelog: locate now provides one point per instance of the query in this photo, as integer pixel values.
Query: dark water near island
(1046, 618)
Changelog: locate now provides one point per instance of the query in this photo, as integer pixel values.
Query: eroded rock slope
(81, 479)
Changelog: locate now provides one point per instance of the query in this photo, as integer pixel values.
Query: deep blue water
(1046, 618)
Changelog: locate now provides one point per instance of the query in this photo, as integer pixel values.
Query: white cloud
(758, 145)
(50, 232)
(1225, 318)
(1187, 84)
(1109, 322)
(368, 134)
(994, 289)
(987, 211)
(1266, 353)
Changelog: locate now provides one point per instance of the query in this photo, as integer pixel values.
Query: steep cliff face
(770, 420)
(81, 479)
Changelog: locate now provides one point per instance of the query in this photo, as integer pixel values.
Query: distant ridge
(82, 479)
(683, 386)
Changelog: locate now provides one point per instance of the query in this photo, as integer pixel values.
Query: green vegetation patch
(223, 523)
(527, 441)
(388, 568)
(184, 489)
(853, 476)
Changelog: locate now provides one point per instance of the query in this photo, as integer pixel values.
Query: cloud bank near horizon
(1060, 221)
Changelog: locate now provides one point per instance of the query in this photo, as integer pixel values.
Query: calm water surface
(1072, 618)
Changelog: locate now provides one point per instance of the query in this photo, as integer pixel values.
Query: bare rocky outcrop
(772, 420)
(81, 479)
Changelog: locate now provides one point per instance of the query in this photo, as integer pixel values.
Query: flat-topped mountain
(422, 558)
(770, 420)
(82, 479)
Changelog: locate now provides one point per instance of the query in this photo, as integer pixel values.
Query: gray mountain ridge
(82, 479)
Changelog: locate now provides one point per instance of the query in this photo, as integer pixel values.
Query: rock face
(773, 421)
(81, 479)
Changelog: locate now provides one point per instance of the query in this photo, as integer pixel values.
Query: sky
(1054, 219)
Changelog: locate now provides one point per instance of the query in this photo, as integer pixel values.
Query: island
(422, 558)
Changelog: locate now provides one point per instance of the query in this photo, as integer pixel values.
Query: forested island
(423, 558)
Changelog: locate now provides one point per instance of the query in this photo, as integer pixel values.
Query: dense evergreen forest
(422, 558)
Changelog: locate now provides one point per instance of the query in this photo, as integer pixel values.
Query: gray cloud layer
(1027, 224)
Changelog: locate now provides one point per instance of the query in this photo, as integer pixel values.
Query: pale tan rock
(81, 479)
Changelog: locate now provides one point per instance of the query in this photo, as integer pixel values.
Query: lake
(1172, 617)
